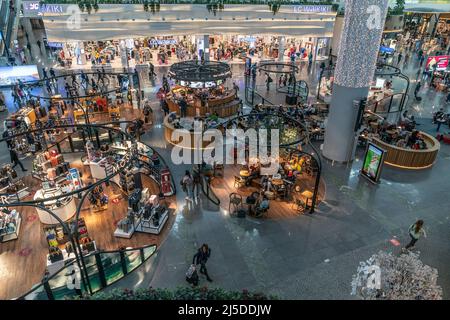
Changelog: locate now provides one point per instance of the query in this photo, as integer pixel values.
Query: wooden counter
(169, 129)
(225, 106)
(410, 158)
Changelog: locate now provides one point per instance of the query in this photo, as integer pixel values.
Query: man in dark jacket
(201, 257)
(15, 159)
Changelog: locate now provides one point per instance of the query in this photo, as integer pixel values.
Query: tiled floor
(312, 256)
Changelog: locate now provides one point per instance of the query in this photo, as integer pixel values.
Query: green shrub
(180, 293)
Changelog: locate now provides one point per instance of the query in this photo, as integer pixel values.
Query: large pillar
(35, 52)
(281, 47)
(355, 67)
(434, 20)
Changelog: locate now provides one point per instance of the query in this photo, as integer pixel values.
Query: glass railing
(103, 269)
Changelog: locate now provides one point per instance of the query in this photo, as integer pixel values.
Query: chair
(259, 213)
(235, 202)
(238, 182)
(251, 200)
(301, 206)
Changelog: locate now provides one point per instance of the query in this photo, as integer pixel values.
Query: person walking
(183, 107)
(399, 58)
(201, 257)
(310, 59)
(197, 183)
(44, 73)
(440, 119)
(187, 184)
(417, 89)
(268, 81)
(416, 230)
(235, 87)
(15, 159)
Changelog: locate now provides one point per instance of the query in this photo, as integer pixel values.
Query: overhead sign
(312, 9)
(441, 61)
(35, 8)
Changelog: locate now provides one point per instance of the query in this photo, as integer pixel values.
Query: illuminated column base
(339, 144)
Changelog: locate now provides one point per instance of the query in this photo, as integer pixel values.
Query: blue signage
(36, 8)
(384, 49)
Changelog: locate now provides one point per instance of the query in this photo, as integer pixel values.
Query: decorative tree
(402, 277)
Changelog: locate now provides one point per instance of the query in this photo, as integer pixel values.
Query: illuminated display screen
(9, 75)
(373, 161)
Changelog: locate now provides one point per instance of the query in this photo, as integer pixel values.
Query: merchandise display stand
(54, 267)
(147, 225)
(65, 209)
(129, 226)
(7, 231)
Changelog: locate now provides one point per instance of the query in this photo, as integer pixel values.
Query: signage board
(312, 8)
(38, 8)
(156, 42)
(373, 162)
(441, 61)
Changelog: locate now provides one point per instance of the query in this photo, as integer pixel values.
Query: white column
(355, 67)
(281, 47)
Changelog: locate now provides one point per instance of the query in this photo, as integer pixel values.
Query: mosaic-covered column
(360, 42)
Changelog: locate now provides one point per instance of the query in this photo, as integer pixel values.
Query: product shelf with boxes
(60, 246)
(153, 217)
(11, 184)
(10, 221)
(50, 166)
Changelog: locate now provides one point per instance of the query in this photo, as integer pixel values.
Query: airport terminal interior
(285, 148)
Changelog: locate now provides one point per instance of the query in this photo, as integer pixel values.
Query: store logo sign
(154, 42)
(312, 9)
(4, 200)
(34, 8)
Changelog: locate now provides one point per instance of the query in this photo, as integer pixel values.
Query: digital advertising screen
(10, 75)
(441, 61)
(373, 162)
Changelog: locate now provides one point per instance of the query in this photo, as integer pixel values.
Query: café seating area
(245, 190)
